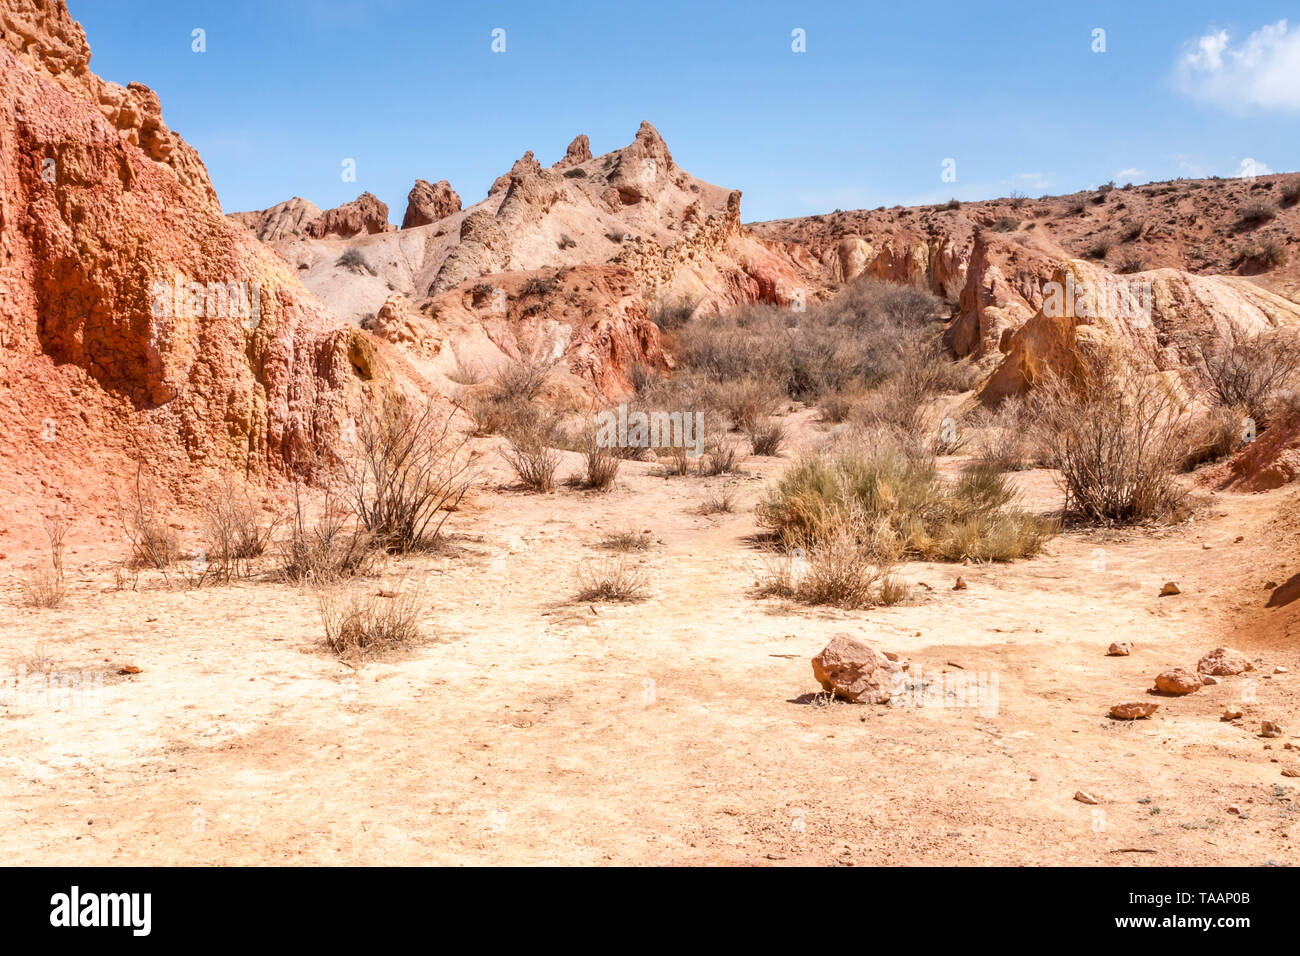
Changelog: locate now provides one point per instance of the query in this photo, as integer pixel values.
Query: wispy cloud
(1260, 72)
(1129, 175)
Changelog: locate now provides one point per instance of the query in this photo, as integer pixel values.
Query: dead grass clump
(45, 586)
(531, 453)
(360, 622)
(627, 541)
(1260, 256)
(724, 502)
(507, 401)
(408, 473)
(1214, 436)
(612, 578)
(971, 517)
(721, 457)
(766, 437)
(1003, 437)
(851, 564)
(601, 463)
(1117, 436)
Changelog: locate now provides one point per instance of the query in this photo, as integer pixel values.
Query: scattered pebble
(1170, 588)
(1119, 649)
(1134, 709)
(1269, 729)
(960, 585)
(1084, 796)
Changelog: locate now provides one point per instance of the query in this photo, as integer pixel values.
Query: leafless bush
(601, 463)
(1117, 436)
(724, 502)
(531, 454)
(45, 586)
(1250, 371)
(409, 472)
(235, 530)
(721, 457)
(153, 541)
(359, 622)
(1255, 213)
(1214, 435)
(327, 548)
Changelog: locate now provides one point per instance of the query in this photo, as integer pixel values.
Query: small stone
(1232, 713)
(129, 669)
(1169, 588)
(1134, 709)
(1238, 539)
(1119, 649)
(1291, 771)
(1280, 669)
(1083, 796)
(1270, 729)
(1207, 547)
(960, 585)
(1178, 680)
(1209, 680)
(1269, 585)
(1234, 809)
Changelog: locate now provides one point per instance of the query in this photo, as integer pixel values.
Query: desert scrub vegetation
(508, 400)
(1002, 438)
(236, 528)
(611, 577)
(627, 541)
(1291, 193)
(408, 472)
(971, 517)
(355, 260)
(1254, 214)
(1250, 372)
(1260, 256)
(600, 463)
(359, 622)
(531, 453)
(45, 586)
(766, 437)
(326, 547)
(1116, 435)
(853, 564)
(153, 542)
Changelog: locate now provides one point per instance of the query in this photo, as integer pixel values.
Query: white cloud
(1262, 71)
(1249, 168)
(1129, 174)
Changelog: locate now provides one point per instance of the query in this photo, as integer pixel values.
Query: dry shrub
(850, 563)
(506, 403)
(1260, 256)
(1255, 213)
(721, 457)
(611, 578)
(627, 541)
(1116, 435)
(746, 402)
(1213, 436)
(601, 462)
(1250, 372)
(1003, 437)
(836, 406)
(361, 622)
(235, 530)
(408, 473)
(45, 586)
(973, 516)
(679, 460)
(326, 549)
(766, 437)
(153, 541)
(724, 502)
(530, 452)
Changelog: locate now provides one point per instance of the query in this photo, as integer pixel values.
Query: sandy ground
(528, 728)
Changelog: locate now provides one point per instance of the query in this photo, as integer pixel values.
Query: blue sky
(1012, 92)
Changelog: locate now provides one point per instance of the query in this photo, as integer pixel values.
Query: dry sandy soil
(529, 728)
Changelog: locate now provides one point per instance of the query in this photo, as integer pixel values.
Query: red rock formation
(579, 152)
(430, 203)
(365, 214)
(136, 320)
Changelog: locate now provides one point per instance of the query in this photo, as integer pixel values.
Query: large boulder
(365, 214)
(428, 203)
(852, 671)
(1178, 681)
(1224, 662)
